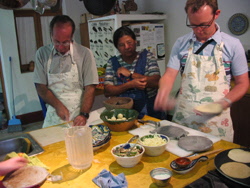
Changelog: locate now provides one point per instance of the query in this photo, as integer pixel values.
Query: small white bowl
(131, 161)
(161, 176)
(154, 150)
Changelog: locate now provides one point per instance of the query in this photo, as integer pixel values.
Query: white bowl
(131, 161)
(154, 150)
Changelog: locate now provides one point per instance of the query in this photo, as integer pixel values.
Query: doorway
(4, 112)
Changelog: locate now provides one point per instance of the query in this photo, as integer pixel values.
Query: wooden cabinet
(84, 32)
(240, 113)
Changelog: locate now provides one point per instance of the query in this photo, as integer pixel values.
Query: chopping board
(55, 134)
(172, 145)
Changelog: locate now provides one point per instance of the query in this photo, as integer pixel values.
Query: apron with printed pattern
(204, 81)
(67, 89)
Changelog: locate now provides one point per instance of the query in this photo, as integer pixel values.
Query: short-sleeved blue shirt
(233, 54)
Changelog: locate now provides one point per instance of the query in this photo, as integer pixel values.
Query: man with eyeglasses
(207, 60)
(65, 75)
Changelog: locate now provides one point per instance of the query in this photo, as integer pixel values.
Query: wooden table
(55, 157)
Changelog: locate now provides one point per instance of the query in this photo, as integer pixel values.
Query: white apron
(204, 81)
(67, 88)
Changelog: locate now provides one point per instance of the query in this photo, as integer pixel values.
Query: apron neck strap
(203, 46)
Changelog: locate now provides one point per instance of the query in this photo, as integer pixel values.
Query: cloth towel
(106, 180)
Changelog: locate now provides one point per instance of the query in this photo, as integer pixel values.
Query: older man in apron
(65, 76)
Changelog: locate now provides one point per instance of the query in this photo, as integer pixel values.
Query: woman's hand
(12, 164)
(122, 71)
(139, 83)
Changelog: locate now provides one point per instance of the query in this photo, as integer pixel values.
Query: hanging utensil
(99, 7)
(49, 3)
(13, 4)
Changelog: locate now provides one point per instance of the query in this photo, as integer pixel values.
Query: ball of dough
(120, 116)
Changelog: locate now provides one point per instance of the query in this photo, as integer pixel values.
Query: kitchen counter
(55, 157)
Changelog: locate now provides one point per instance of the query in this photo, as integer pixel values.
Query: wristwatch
(84, 114)
(131, 74)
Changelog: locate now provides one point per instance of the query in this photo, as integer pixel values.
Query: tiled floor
(26, 128)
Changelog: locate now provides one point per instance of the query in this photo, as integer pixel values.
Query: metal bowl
(161, 176)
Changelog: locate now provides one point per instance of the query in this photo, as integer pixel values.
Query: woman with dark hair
(133, 74)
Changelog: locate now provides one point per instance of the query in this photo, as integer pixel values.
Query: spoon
(183, 162)
(131, 149)
(127, 145)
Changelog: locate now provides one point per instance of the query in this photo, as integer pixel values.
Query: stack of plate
(101, 136)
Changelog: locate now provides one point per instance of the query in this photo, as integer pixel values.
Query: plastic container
(78, 141)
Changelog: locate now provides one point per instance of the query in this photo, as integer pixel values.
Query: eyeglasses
(203, 26)
(66, 43)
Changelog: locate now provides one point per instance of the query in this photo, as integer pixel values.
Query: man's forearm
(153, 81)
(239, 90)
(47, 95)
(112, 90)
(88, 98)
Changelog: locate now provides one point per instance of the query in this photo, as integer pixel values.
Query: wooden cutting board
(172, 146)
(55, 134)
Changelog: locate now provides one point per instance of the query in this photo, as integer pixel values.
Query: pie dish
(172, 132)
(195, 143)
(28, 176)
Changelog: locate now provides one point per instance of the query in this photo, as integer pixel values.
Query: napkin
(106, 180)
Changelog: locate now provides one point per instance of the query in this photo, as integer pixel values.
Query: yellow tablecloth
(55, 157)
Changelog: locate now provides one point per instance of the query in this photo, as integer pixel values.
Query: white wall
(26, 97)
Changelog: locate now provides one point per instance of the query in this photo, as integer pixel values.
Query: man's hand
(62, 112)
(80, 121)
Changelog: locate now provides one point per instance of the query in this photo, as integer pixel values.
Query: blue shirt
(151, 69)
(233, 54)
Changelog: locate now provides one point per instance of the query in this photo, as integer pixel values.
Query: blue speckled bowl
(101, 135)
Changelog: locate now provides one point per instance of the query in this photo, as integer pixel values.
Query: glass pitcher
(79, 146)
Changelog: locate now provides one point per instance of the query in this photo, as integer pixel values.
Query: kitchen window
(32, 31)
